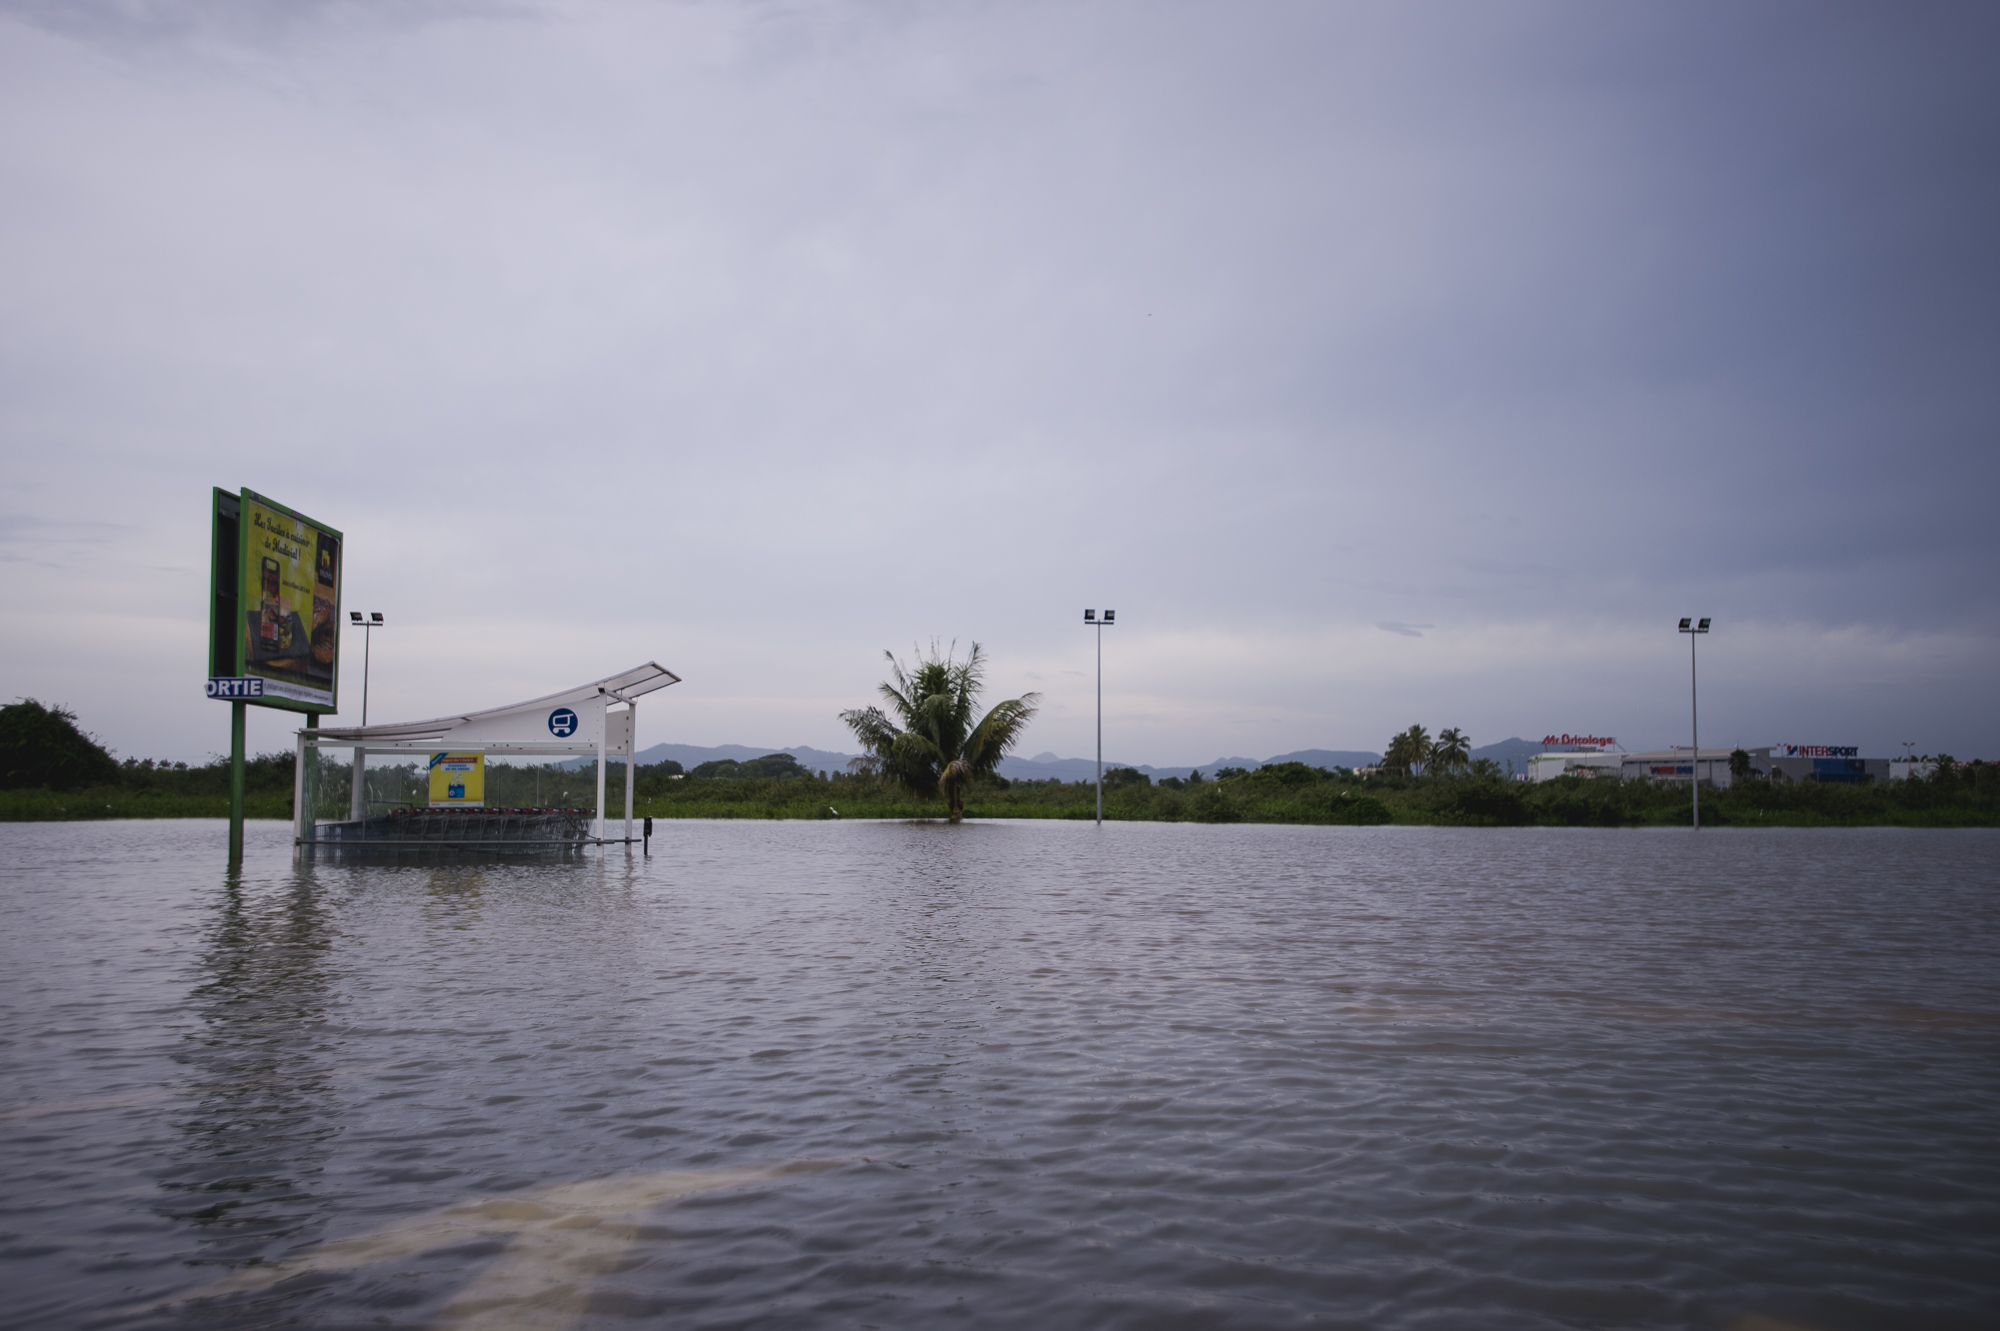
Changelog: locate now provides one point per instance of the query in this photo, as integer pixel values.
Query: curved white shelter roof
(571, 721)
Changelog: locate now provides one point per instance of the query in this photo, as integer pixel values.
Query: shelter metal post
(357, 804)
(310, 793)
(603, 721)
(299, 823)
(631, 763)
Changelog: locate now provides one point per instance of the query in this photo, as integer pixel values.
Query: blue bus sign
(235, 688)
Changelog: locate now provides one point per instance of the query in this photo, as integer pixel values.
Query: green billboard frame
(230, 552)
(231, 538)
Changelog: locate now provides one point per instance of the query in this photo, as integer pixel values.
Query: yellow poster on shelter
(458, 780)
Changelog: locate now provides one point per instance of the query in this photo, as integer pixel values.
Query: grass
(42, 806)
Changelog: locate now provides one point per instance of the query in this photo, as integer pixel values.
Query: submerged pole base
(237, 713)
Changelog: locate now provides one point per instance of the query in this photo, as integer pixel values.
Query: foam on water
(558, 1239)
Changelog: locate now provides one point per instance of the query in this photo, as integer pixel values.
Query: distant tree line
(53, 769)
(43, 748)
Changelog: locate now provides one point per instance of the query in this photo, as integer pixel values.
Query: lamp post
(368, 627)
(357, 803)
(1110, 618)
(1689, 627)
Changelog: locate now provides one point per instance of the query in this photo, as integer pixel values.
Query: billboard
(275, 609)
(458, 779)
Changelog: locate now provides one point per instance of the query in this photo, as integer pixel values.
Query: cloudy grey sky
(1380, 363)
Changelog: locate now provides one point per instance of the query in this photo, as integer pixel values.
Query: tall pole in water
(1110, 617)
(237, 712)
(1694, 711)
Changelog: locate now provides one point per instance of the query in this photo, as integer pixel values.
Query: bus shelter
(599, 718)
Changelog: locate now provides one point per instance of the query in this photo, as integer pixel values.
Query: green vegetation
(933, 742)
(43, 745)
(1450, 754)
(1969, 796)
(1299, 794)
(47, 806)
(770, 767)
(52, 770)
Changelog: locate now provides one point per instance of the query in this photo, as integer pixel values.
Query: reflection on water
(22, 1113)
(455, 897)
(260, 1094)
(1130, 1077)
(555, 1243)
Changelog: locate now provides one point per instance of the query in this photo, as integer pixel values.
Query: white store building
(1582, 762)
(1709, 766)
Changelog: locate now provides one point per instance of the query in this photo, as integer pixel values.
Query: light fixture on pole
(367, 627)
(1110, 618)
(1689, 627)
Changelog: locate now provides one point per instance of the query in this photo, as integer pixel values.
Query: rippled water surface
(1006, 1075)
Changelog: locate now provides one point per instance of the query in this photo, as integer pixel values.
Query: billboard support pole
(237, 713)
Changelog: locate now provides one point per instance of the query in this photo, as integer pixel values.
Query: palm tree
(932, 741)
(1407, 750)
(1452, 750)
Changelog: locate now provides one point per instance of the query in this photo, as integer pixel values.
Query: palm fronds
(931, 741)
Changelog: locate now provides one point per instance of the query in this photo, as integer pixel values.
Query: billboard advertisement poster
(458, 780)
(288, 605)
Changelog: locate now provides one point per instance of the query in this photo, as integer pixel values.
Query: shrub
(1490, 801)
(770, 767)
(1361, 809)
(1289, 774)
(42, 747)
(1212, 806)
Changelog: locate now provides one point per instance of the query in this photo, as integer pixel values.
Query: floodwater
(1006, 1075)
